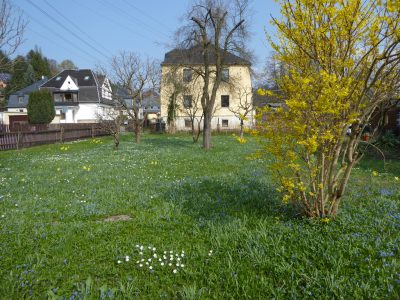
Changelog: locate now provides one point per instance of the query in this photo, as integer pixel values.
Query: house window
(86, 77)
(187, 101)
(21, 99)
(62, 115)
(58, 78)
(187, 75)
(225, 75)
(188, 123)
(68, 97)
(57, 97)
(225, 101)
(21, 110)
(225, 123)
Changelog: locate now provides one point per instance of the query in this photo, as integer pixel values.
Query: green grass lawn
(55, 243)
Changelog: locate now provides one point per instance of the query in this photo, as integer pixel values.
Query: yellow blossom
(325, 220)
(286, 199)
(241, 140)
(374, 173)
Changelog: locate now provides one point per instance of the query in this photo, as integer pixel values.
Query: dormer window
(21, 99)
(86, 78)
(58, 78)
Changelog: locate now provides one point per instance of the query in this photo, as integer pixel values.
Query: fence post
(93, 129)
(61, 134)
(18, 138)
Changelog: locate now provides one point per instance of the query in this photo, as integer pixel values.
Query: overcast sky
(90, 31)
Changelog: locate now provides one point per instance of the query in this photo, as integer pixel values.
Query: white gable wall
(69, 85)
(106, 89)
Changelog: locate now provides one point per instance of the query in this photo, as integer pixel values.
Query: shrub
(40, 107)
(388, 141)
(339, 60)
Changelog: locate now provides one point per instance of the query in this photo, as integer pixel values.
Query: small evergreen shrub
(40, 107)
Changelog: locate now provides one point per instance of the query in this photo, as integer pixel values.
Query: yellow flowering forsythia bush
(341, 60)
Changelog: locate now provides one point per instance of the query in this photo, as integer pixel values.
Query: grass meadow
(186, 224)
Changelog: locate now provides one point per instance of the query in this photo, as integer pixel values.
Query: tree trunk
(116, 141)
(137, 133)
(137, 137)
(241, 129)
(207, 131)
(171, 127)
(116, 137)
(193, 132)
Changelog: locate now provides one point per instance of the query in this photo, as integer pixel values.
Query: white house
(79, 95)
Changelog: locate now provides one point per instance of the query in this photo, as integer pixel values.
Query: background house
(150, 109)
(17, 102)
(180, 79)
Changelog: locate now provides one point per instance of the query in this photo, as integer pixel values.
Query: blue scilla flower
(386, 192)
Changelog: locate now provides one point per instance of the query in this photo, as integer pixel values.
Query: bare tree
(111, 120)
(244, 107)
(191, 107)
(134, 75)
(12, 28)
(217, 27)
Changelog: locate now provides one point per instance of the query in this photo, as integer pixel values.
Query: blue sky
(90, 31)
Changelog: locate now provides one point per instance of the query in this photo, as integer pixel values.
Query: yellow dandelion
(325, 220)
(374, 173)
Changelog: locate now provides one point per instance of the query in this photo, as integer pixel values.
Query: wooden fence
(30, 135)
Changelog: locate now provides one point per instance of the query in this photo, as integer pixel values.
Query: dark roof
(120, 92)
(194, 56)
(13, 100)
(265, 100)
(84, 77)
(5, 77)
(151, 98)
